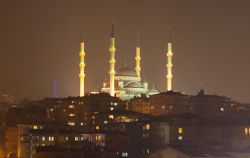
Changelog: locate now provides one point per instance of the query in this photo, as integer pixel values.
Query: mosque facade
(126, 83)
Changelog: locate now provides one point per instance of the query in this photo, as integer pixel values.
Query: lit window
(246, 131)
(51, 139)
(35, 127)
(72, 102)
(97, 127)
(76, 138)
(179, 137)
(71, 106)
(81, 138)
(152, 107)
(111, 116)
(111, 108)
(43, 138)
(66, 138)
(180, 130)
(115, 104)
(71, 123)
(98, 138)
(163, 106)
(93, 117)
(222, 109)
(147, 126)
(81, 124)
(105, 122)
(71, 114)
(51, 110)
(147, 151)
(124, 154)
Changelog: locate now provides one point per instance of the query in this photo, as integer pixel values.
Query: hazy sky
(39, 41)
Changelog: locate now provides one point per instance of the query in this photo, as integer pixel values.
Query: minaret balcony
(81, 65)
(112, 49)
(137, 58)
(169, 65)
(112, 61)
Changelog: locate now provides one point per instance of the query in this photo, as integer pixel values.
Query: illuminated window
(111, 116)
(111, 108)
(115, 104)
(51, 139)
(71, 106)
(43, 138)
(124, 154)
(35, 127)
(72, 102)
(76, 138)
(51, 110)
(98, 138)
(179, 137)
(147, 151)
(66, 138)
(81, 124)
(180, 130)
(246, 131)
(97, 127)
(147, 126)
(105, 122)
(71, 123)
(222, 109)
(71, 115)
(163, 106)
(152, 107)
(93, 116)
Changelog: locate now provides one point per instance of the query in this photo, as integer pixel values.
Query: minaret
(138, 58)
(112, 50)
(82, 66)
(169, 65)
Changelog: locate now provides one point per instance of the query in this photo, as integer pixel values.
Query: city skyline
(209, 53)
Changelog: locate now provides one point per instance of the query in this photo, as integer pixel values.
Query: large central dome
(125, 71)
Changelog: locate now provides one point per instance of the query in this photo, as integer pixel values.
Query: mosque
(126, 83)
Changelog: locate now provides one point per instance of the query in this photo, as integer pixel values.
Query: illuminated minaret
(138, 58)
(112, 50)
(82, 66)
(169, 65)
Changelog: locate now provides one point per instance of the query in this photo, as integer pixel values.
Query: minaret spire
(169, 64)
(82, 65)
(112, 61)
(138, 57)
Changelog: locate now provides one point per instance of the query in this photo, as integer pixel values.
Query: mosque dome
(133, 85)
(126, 72)
(153, 91)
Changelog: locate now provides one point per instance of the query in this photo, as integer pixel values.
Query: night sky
(39, 41)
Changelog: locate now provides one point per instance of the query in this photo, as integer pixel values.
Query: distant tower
(169, 65)
(138, 58)
(112, 50)
(82, 66)
(54, 89)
